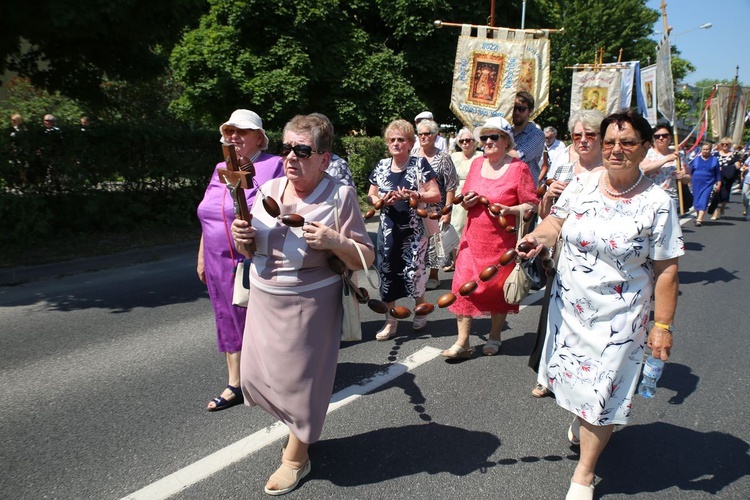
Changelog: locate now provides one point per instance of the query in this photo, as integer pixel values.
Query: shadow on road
(715, 275)
(658, 456)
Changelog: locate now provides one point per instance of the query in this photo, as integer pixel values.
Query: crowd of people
(607, 206)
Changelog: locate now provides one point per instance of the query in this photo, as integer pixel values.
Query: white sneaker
(419, 323)
(432, 284)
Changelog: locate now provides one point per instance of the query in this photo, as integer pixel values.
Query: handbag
(241, 293)
(518, 283)
(351, 325)
(445, 240)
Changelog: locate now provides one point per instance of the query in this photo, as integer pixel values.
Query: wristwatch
(669, 327)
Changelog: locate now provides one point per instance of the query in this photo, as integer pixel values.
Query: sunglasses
(590, 136)
(396, 139)
(625, 144)
(424, 134)
(300, 150)
(494, 137)
(661, 136)
(520, 109)
(726, 144)
(464, 141)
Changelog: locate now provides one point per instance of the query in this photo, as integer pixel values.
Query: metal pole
(523, 15)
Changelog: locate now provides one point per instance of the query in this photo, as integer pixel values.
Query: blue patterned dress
(402, 244)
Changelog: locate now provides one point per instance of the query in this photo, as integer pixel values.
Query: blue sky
(714, 52)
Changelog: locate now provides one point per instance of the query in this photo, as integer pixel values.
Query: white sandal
(574, 432)
(388, 330)
(580, 492)
(457, 352)
(492, 347)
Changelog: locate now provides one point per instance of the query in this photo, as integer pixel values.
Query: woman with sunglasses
(447, 180)
(293, 333)
(462, 160)
(660, 165)
(584, 129)
(587, 146)
(402, 239)
(506, 181)
(217, 256)
(621, 241)
(729, 163)
(706, 177)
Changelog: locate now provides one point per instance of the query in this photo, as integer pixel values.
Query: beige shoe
(580, 492)
(574, 432)
(388, 330)
(286, 478)
(457, 352)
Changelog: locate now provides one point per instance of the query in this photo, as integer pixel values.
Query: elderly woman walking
(620, 250)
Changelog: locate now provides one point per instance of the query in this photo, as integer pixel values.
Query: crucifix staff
(238, 178)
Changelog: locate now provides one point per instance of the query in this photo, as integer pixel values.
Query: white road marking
(205, 467)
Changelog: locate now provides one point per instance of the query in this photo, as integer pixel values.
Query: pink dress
(484, 241)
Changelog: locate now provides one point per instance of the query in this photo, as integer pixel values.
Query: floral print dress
(601, 298)
(402, 243)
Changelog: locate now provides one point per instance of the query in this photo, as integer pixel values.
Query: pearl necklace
(621, 193)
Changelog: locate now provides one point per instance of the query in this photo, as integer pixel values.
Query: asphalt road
(104, 377)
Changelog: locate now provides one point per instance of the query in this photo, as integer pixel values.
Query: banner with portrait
(665, 90)
(598, 88)
(489, 71)
(728, 109)
(648, 87)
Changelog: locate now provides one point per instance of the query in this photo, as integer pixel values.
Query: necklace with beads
(621, 193)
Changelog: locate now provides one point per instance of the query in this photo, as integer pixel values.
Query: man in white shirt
(440, 142)
(555, 148)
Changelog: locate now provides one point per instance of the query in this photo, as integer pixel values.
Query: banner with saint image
(665, 90)
(648, 87)
(489, 71)
(598, 88)
(728, 109)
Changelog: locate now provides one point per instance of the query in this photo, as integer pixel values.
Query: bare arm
(666, 289)
(544, 236)
(201, 267)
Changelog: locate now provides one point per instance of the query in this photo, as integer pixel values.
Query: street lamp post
(704, 26)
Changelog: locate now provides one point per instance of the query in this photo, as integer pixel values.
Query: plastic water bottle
(652, 369)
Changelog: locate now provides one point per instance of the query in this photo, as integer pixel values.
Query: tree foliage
(71, 46)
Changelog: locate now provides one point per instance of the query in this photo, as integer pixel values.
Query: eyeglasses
(424, 134)
(726, 143)
(230, 131)
(661, 136)
(520, 109)
(625, 144)
(590, 136)
(494, 137)
(300, 150)
(396, 139)
(464, 141)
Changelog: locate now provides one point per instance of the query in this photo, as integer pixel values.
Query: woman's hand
(555, 189)
(243, 234)
(660, 343)
(536, 247)
(321, 237)
(201, 271)
(470, 199)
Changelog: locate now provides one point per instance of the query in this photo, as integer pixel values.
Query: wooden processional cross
(238, 178)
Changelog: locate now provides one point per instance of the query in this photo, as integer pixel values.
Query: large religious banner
(489, 71)
(665, 89)
(648, 87)
(596, 87)
(728, 109)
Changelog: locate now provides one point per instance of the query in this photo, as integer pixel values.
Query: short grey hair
(550, 130)
(590, 118)
(464, 131)
(430, 125)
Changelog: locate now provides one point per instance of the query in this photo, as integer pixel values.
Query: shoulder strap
(338, 230)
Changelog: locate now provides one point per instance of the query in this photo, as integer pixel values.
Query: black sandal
(222, 404)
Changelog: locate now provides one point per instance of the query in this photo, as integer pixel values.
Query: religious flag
(489, 71)
(665, 90)
(597, 87)
(728, 108)
(648, 87)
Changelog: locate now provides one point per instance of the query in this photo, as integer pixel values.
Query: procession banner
(489, 71)
(598, 88)
(648, 87)
(728, 109)
(665, 89)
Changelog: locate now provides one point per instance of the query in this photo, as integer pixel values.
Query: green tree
(70, 46)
